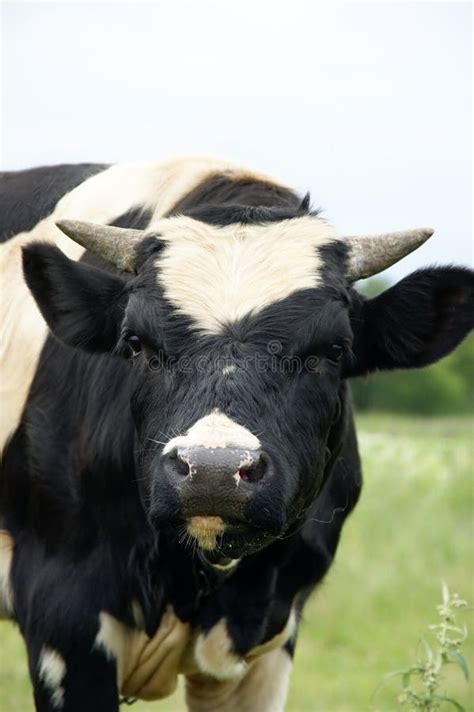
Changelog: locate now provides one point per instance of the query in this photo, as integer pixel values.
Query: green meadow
(412, 530)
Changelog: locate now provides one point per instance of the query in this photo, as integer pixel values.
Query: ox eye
(335, 352)
(135, 345)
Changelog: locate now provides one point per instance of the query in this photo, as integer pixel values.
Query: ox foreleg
(263, 688)
(75, 681)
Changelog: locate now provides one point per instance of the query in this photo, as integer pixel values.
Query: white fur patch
(265, 687)
(217, 275)
(6, 555)
(230, 368)
(51, 670)
(112, 640)
(102, 198)
(147, 668)
(214, 655)
(215, 430)
(22, 335)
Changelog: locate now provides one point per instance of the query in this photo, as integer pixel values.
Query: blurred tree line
(445, 388)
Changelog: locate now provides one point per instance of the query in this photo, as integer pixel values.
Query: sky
(367, 105)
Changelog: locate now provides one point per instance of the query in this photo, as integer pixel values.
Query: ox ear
(414, 323)
(82, 305)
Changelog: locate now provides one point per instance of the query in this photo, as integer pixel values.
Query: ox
(179, 453)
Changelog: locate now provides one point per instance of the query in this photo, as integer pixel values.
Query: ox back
(109, 605)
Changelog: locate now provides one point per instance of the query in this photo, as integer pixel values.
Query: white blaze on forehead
(216, 275)
(215, 430)
(51, 670)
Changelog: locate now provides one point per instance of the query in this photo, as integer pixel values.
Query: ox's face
(238, 337)
(238, 367)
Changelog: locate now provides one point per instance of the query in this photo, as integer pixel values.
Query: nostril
(254, 471)
(250, 474)
(177, 463)
(182, 466)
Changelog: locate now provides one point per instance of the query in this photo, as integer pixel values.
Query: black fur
(94, 520)
(28, 196)
(223, 201)
(225, 191)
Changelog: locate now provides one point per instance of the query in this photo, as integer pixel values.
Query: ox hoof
(214, 655)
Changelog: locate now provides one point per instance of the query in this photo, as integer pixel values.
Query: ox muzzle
(216, 481)
(215, 486)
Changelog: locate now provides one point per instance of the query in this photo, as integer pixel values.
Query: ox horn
(114, 244)
(371, 254)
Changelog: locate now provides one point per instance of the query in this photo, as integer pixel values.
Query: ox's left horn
(114, 244)
(371, 254)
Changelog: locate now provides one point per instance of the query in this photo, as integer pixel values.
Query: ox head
(240, 336)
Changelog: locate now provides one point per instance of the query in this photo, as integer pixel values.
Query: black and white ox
(179, 451)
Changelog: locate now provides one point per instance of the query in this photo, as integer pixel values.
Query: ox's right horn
(115, 244)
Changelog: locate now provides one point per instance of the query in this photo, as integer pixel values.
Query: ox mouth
(221, 542)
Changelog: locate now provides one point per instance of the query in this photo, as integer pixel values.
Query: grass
(412, 529)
